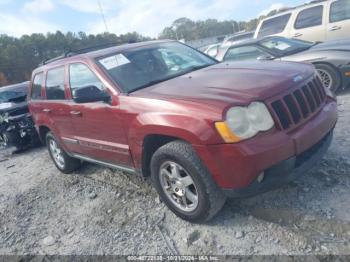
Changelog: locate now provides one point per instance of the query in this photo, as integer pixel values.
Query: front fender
(193, 130)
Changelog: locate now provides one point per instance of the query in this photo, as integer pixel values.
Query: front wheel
(329, 77)
(184, 183)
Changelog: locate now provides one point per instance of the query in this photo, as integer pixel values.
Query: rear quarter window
(309, 17)
(274, 25)
(340, 10)
(37, 87)
(55, 84)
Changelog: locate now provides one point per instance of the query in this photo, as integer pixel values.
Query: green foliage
(19, 56)
(187, 29)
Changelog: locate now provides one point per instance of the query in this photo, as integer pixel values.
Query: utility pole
(102, 14)
(175, 29)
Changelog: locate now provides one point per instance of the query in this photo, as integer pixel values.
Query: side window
(80, 76)
(309, 17)
(37, 86)
(274, 25)
(340, 10)
(243, 53)
(55, 84)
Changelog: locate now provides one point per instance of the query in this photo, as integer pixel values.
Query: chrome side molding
(102, 163)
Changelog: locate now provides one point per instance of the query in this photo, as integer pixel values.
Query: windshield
(141, 67)
(282, 46)
(12, 96)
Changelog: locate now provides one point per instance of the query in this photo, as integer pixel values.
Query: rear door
(338, 20)
(310, 24)
(57, 108)
(98, 126)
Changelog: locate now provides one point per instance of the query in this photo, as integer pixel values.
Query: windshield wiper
(150, 83)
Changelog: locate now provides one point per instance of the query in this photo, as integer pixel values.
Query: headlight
(245, 122)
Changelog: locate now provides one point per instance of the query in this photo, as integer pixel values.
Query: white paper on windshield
(114, 61)
(282, 46)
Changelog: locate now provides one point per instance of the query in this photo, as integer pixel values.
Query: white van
(320, 21)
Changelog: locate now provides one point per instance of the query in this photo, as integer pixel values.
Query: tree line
(19, 56)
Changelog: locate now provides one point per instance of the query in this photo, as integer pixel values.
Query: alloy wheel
(56, 153)
(326, 78)
(178, 186)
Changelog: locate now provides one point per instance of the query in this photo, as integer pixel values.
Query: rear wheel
(184, 183)
(329, 77)
(61, 159)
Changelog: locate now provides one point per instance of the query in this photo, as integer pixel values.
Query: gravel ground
(101, 211)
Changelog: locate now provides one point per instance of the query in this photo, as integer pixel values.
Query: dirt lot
(100, 211)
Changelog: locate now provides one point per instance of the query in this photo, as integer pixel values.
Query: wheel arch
(151, 143)
(43, 130)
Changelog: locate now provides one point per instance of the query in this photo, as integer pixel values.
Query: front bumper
(344, 71)
(237, 166)
(285, 171)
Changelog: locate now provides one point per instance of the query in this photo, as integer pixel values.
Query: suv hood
(14, 109)
(233, 82)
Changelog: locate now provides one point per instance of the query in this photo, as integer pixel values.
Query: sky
(148, 17)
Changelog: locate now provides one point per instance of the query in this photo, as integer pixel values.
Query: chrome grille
(291, 109)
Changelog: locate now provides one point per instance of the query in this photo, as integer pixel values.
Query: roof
(251, 41)
(289, 10)
(97, 53)
(120, 48)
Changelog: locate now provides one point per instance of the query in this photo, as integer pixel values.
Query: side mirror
(265, 57)
(89, 94)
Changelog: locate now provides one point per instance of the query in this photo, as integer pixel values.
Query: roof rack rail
(71, 53)
(286, 9)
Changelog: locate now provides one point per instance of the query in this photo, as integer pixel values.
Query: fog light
(261, 177)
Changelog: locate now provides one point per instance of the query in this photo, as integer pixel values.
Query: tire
(65, 164)
(326, 71)
(179, 154)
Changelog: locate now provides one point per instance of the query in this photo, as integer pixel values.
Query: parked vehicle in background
(320, 21)
(211, 50)
(16, 125)
(165, 110)
(331, 59)
(231, 40)
(236, 38)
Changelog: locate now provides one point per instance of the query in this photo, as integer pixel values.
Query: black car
(16, 125)
(331, 59)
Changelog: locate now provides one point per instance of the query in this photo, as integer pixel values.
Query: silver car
(331, 59)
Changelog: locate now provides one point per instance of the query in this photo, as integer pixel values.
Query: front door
(98, 127)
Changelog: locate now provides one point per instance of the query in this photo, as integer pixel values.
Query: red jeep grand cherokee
(202, 130)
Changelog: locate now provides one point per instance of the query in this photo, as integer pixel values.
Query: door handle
(47, 110)
(76, 113)
(335, 28)
(297, 35)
